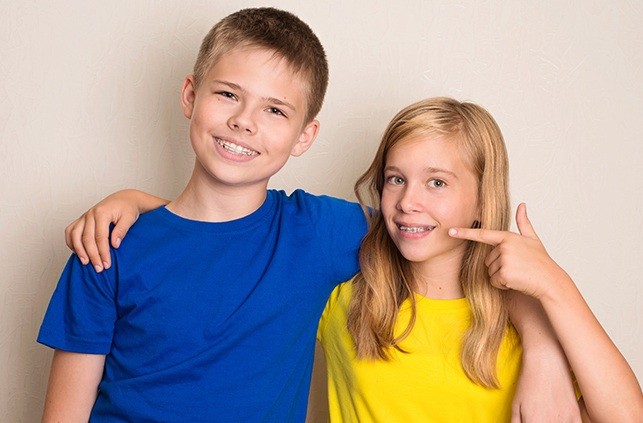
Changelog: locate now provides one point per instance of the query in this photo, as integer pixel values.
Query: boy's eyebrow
(428, 169)
(271, 100)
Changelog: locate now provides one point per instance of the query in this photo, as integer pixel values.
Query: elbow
(623, 412)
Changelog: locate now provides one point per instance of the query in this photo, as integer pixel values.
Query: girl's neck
(439, 279)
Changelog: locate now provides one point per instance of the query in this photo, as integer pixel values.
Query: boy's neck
(209, 203)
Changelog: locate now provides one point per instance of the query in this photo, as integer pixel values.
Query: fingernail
(84, 260)
(453, 232)
(117, 242)
(98, 268)
(106, 265)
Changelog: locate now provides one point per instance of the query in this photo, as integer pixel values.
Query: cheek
(387, 203)
(468, 213)
(453, 212)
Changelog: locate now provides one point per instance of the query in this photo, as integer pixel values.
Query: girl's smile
(428, 189)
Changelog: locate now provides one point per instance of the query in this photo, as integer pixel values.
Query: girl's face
(428, 189)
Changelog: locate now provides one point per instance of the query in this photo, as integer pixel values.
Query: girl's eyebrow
(428, 169)
(271, 100)
(431, 169)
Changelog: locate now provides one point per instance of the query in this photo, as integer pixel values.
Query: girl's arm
(545, 391)
(88, 236)
(608, 385)
(609, 388)
(73, 386)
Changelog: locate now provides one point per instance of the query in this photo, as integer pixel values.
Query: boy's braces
(234, 148)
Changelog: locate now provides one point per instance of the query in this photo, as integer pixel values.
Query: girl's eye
(276, 111)
(395, 180)
(437, 183)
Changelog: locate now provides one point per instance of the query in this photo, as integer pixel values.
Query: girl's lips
(415, 229)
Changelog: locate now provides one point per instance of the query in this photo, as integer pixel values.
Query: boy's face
(247, 118)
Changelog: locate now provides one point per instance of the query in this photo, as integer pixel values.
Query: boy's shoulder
(320, 208)
(303, 199)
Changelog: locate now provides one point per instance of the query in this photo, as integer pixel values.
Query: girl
(422, 333)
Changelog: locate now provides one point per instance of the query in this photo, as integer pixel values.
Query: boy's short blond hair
(276, 30)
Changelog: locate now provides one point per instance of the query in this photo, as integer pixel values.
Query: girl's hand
(518, 261)
(88, 236)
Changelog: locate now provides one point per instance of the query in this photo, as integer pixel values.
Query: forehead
(256, 56)
(259, 71)
(428, 153)
(425, 148)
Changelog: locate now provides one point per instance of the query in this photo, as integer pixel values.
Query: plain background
(89, 105)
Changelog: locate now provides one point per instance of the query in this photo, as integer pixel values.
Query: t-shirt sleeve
(82, 311)
(346, 228)
(328, 310)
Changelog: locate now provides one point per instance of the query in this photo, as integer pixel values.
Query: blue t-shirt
(206, 321)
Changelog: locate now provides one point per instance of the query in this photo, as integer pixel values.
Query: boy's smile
(247, 118)
(234, 149)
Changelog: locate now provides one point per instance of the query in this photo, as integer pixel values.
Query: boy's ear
(306, 138)
(188, 94)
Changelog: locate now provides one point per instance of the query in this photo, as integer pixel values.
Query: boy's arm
(73, 386)
(545, 391)
(88, 236)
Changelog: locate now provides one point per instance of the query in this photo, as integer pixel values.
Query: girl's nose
(410, 201)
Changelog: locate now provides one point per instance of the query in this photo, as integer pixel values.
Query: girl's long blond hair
(386, 279)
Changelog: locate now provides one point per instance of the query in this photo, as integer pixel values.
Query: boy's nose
(242, 120)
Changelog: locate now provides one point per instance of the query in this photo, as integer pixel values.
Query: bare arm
(545, 391)
(608, 385)
(88, 236)
(73, 386)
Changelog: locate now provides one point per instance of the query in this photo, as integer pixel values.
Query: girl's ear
(306, 138)
(188, 95)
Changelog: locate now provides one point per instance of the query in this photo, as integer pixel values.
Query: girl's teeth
(412, 230)
(416, 229)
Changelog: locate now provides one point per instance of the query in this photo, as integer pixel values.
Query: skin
(73, 386)
(520, 262)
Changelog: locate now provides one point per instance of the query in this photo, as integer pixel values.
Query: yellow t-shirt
(425, 385)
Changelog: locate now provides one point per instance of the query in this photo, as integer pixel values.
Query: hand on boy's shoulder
(89, 236)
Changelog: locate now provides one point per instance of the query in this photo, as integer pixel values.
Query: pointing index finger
(486, 236)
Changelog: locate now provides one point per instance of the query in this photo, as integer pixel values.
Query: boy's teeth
(234, 148)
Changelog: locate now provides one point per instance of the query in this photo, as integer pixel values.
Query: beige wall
(88, 105)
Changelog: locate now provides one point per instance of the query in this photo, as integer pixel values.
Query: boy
(196, 320)
(209, 311)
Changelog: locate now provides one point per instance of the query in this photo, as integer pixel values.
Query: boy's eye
(276, 111)
(395, 180)
(437, 183)
(226, 94)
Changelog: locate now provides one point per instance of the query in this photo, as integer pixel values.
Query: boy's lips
(233, 148)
